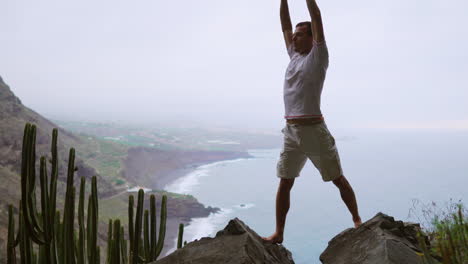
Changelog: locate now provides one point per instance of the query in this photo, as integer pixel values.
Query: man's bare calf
(347, 194)
(282, 205)
(282, 208)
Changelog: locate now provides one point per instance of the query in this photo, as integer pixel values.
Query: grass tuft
(447, 231)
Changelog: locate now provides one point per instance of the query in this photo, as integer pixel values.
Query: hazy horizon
(393, 65)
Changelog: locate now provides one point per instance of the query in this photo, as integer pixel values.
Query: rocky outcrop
(381, 240)
(236, 244)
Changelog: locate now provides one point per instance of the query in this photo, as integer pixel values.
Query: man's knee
(286, 184)
(340, 182)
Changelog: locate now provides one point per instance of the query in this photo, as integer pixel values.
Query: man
(306, 135)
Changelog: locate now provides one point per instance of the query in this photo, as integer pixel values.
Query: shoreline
(155, 169)
(174, 176)
(179, 174)
(200, 222)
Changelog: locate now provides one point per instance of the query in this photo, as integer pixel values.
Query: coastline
(198, 214)
(199, 226)
(155, 168)
(198, 220)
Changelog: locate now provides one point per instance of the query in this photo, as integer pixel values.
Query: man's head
(302, 37)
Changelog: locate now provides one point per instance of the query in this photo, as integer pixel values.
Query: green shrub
(447, 230)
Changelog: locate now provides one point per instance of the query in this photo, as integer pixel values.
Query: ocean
(388, 171)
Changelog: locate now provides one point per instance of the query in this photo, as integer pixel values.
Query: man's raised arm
(286, 22)
(317, 26)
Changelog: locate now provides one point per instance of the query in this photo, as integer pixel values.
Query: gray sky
(393, 64)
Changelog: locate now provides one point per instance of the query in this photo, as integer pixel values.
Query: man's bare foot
(274, 239)
(357, 222)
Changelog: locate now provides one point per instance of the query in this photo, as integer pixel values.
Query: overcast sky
(393, 64)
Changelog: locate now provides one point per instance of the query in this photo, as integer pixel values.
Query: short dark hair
(309, 26)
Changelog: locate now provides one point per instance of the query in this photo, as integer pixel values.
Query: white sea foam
(223, 142)
(265, 153)
(137, 188)
(185, 184)
(204, 226)
(244, 206)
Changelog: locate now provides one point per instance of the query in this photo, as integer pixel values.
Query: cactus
(130, 220)
(152, 245)
(146, 234)
(11, 252)
(41, 232)
(116, 245)
(153, 226)
(92, 223)
(109, 241)
(115, 257)
(123, 244)
(181, 236)
(81, 249)
(56, 238)
(137, 230)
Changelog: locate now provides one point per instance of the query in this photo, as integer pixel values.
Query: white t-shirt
(304, 82)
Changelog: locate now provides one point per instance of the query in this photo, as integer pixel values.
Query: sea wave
(244, 206)
(204, 226)
(207, 226)
(185, 184)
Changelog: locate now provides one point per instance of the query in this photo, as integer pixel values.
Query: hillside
(13, 116)
(116, 165)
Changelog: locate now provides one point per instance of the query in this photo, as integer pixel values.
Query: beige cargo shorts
(309, 141)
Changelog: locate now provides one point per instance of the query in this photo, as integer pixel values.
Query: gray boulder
(236, 244)
(381, 240)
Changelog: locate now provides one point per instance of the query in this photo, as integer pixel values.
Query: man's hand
(286, 25)
(317, 26)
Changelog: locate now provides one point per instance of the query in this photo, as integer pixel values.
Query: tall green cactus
(109, 241)
(55, 238)
(58, 241)
(114, 248)
(11, 252)
(123, 248)
(81, 250)
(92, 224)
(180, 238)
(40, 234)
(130, 221)
(153, 245)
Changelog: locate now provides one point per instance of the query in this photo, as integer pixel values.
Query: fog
(393, 64)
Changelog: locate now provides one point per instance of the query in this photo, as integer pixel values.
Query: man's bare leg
(347, 194)
(282, 207)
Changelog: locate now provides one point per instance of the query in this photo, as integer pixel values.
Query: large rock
(381, 240)
(236, 244)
